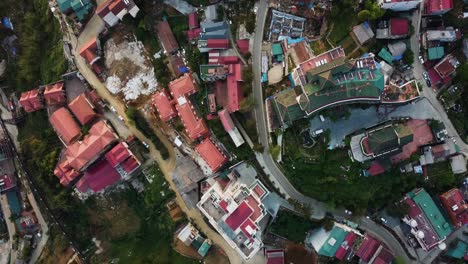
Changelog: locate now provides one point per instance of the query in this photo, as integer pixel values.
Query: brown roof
(184, 85)
(301, 52)
(65, 126)
(83, 109)
(166, 37)
(54, 94)
(83, 153)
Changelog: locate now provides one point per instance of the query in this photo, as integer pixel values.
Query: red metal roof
(255, 205)
(65, 173)
(367, 248)
(83, 109)
(226, 120)
(35, 99)
(375, 168)
(117, 154)
(211, 154)
(399, 26)
(345, 246)
(55, 94)
(438, 5)
(456, 207)
(166, 37)
(24, 101)
(234, 95)
(275, 256)
(81, 154)
(383, 257)
(248, 223)
(184, 85)
(445, 68)
(6, 182)
(88, 51)
(243, 45)
(163, 105)
(98, 177)
(193, 34)
(217, 43)
(238, 216)
(194, 125)
(130, 164)
(431, 239)
(223, 204)
(64, 125)
(193, 20)
(421, 135)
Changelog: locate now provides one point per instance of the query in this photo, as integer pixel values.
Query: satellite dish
(413, 223)
(442, 246)
(420, 234)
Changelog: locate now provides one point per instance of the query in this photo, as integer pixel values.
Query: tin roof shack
(113, 11)
(363, 32)
(80, 8)
(190, 236)
(399, 5)
(438, 7)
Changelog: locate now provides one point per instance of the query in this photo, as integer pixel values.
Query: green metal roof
(435, 53)
(333, 242)
(458, 251)
(276, 49)
(204, 248)
(80, 7)
(404, 133)
(432, 213)
(386, 55)
(383, 140)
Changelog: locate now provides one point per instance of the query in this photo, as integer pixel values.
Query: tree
(247, 104)
(258, 147)
(462, 75)
(328, 224)
(408, 57)
(250, 23)
(398, 210)
(247, 55)
(364, 15)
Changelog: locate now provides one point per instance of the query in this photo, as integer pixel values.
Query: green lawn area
(292, 226)
(343, 22)
(319, 46)
(152, 242)
(331, 176)
(348, 44)
(179, 24)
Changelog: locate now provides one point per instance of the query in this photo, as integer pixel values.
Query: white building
(113, 11)
(399, 5)
(233, 206)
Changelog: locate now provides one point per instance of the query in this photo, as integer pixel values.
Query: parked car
(348, 212)
(121, 118)
(145, 144)
(113, 109)
(383, 220)
(421, 59)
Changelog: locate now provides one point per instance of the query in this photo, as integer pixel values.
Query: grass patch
(319, 46)
(136, 116)
(331, 176)
(179, 25)
(342, 24)
(348, 44)
(292, 226)
(151, 242)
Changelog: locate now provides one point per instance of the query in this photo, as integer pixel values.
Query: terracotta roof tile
(65, 126)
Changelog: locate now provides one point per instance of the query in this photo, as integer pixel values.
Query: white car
(383, 220)
(421, 59)
(121, 118)
(348, 212)
(145, 144)
(113, 109)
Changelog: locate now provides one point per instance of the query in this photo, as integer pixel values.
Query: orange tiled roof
(64, 125)
(83, 109)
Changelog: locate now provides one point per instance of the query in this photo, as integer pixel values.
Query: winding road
(279, 179)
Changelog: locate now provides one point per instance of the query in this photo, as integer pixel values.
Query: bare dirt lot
(296, 253)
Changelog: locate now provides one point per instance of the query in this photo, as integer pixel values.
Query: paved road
(267, 162)
(166, 166)
(10, 225)
(386, 237)
(428, 92)
(265, 159)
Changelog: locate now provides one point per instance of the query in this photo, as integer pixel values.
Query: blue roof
(14, 203)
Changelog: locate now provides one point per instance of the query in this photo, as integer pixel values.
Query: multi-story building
(233, 205)
(327, 80)
(427, 223)
(456, 207)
